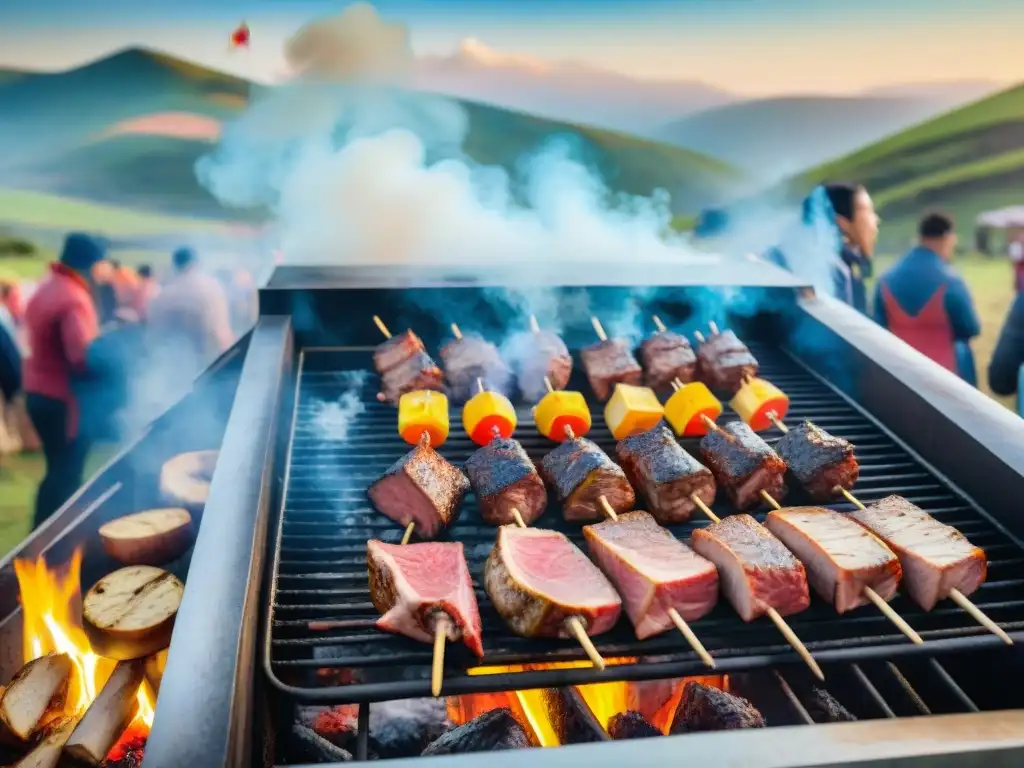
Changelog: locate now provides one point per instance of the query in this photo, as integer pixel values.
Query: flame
(51, 604)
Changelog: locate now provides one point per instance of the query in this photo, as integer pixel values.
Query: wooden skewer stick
(576, 627)
(658, 324)
(456, 331)
(440, 637)
(714, 328)
(518, 518)
(704, 508)
(691, 638)
(606, 507)
(547, 384)
(480, 386)
(773, 417)
(955, 595)
(598, 328)
(796, 642)
(534, 325)
(383, 328)
(698, 336)
(408, 532)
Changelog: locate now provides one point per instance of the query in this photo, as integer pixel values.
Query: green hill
(57, 143)
(965, 161)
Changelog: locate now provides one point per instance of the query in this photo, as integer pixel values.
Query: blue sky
(751, 46)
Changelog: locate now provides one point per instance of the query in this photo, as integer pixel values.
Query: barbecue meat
(744, 465)
(422, 488)
(723, 362)
(536, 355)
(581, 473)
(652, 571)
(936, 558)
(493, 730)
(704, 708)
(631, 725)
(756, 571)
(537, 579)
(411, 585)
(667, 476)
(504, 478)
(608, 363)
(417, 372)
(818, 460)
(396, 351)
(667, 356)
(841, 557)
(470, 358)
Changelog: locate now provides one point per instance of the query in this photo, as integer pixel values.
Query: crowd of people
(71, 353)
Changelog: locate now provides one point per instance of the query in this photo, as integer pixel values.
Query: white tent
(1004, 218)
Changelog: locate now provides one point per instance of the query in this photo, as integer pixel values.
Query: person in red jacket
(61, 323)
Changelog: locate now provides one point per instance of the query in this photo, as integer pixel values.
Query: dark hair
(145, 271)
(840, 195)
(711, 222)
(935, 224)
(183, 257)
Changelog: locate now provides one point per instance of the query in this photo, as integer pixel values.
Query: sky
(750, 47)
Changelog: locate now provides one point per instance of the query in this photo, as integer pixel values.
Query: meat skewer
(744, 464)
(538, 355)
(686, 409)
(913, 534)
(825, 465)
(468, 358)
(609, 362)
(404, 365)
(667, 357)
(723, 360)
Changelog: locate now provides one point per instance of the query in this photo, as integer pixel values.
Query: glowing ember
(51, 603)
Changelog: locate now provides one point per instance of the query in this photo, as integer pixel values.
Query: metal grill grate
(321, 644)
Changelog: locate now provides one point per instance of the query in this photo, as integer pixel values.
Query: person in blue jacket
(923, 300)
(1004, 369)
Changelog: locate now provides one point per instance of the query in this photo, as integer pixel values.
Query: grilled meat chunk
(581, 473)
(658, 467)
(936, 557)
(823, 707)
(396, 351)
(818, 460)
(537, 579)
(504, 478)
(756, 571)
(412, 585)
(536, 355)
(652, 571)
(417, 372)
(422, 488)
(704, 708)
(667, 356)
(841, 557)
(493, 730)
(723, 362)
(631, 725)
(608, 363)
(744, 465)
(470, 358)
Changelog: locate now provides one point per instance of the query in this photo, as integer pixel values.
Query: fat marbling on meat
(819, 461)
(580, 473)
(744, 465)
(503, 478)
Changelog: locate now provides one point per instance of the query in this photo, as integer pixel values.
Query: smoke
(333, 419)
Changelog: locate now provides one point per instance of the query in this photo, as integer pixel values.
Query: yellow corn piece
(486, 415)
(684, 409)
(559, 410)
(631, 410)
(423, 412)
(756, 399)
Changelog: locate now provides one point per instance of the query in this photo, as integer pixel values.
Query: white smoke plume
(333, 419)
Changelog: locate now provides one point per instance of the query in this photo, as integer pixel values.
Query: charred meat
(658, 467)
(417, 372)
(841, 557)
(755, 569)
(704, 708)
(413, 585)
(819, 461)
(536, 355)
(504, 478)
(667, 356)
(470, 358)
(653, 571)
(723, 362)
(422, 487)
(631, 725)
(744, 465)
(494, 730)
(537, 579)
(396, 351)
(581, 473)
(936, 557)
(608, 363)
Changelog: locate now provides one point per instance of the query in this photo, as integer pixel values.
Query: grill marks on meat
(504, 478)
(723, 362)
(658, 467)
(667, 356)
(936, 557)
(841, 557)
(411, 585)
(422, 488)
(608, 363)
(704, 708)
(580, 472)
(417, 372)
(537, 579)
(470, 358)
(538, 355)
(754, 568)
(652, 571)
(494, 730)
(396, 351)
(818, 460)
(744, 465)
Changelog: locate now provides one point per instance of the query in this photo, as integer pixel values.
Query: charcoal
(400, 728)
(704, 708)
(489, 732)
(631, 725)
(310, 747)
(823, 707)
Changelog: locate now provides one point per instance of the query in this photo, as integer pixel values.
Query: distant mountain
(954, 91)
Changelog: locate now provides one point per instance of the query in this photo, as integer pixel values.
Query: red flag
(240, 37)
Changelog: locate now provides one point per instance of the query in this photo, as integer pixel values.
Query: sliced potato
(153, 537)
(34, 696)
(185, 479)
(130, 613)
